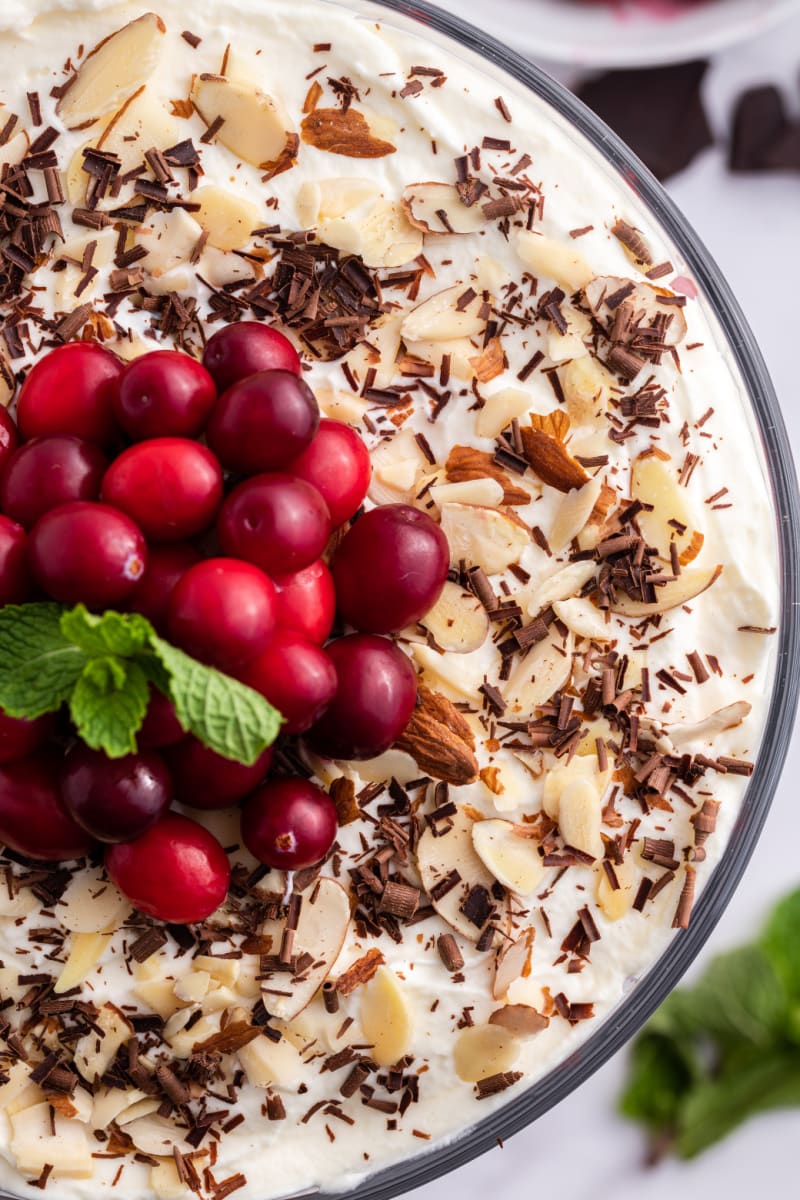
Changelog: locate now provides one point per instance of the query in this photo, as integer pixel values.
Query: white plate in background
(621, 33)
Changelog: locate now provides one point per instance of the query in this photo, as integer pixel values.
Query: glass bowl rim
(653, 987)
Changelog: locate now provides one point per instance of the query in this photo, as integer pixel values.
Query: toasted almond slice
(542, 672)
(229, 220)
(385, 1018)
(512, 962)
(439, 318)
(655, 482)
(40, 1137)
(321, 930)
(91, 904)
(645, 299)
(113, 71)
(685, 588)
(573, 513)
(588, 389)
(437, 857)
(711, 726)
(272, 1064)
(437, 208)
(458, 621)
(500, 410)
(554, 260)
(513, 860)
(484, 1050)
(615, 903)
(85, 952)
(96, 1050)
(483, 537)
(580, 817)
(348, 132)
(585, 620)
(255, 128)
(520, 1019)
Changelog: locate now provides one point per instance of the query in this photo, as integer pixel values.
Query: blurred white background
(581, 1150)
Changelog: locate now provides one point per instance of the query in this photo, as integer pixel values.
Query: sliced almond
(616, 903)
(646, 300)
(566, 582)
(113, 71)
(459, 677)
(110, 1102)
(340, 405)
(542, 672)
(437, 857)
(165, 1182)
(440, 317)
(486, 493)
(513, 860)
(345, 132)
(491, 361)
(484, 1050)
(483, 537)
(223, 971)
(15, 149)
(271, 1064)
(573, 514)
(500, 410)
(458, 351)
(392, 764)
(142, 1108)
(708, 728)
(686, 587)
(467, 463)
(254, 126)
(397, 464)
(437, 208)
(655, 482)
(572, 343)
(388, 240)
(327, 199)
(440, 740)
(158, 995)
(458, 622)
(519, 1019)
(91, 904)
(580, 817)
(588, 389)
(20, 903)
(385, 1018)
(40, 1138)
(143, 122)
(321, 930)
(193, 988)
(558, 778)
(584, 620)
(512, 962)
(18, 1085)
(85, 952)
(169, 239)
(554, 260)
(157, 1136)
(228, 219)
(97, 1049)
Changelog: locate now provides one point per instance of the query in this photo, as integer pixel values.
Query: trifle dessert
(389, 593)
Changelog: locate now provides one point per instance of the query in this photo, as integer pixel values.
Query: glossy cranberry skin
(307, 602)
(166, 564)
(296, 676)
(87, 553)
(9, 438)
(33, 819)
(176, 871)
(115, 799)
(171, 487)
(236, 351)
(223, 612)
(50, 471)
(390, 569)
(71, 390)
(375, 697)
(160, 726)
(263, 422)
(204, 779)
(19, 736)
(289, 824)
(15, 575)
(164, 394)
(337, 464)
(279, 523)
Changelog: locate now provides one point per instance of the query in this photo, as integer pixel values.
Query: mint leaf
(126, 634)
(662, 1072)
(234, 720)
(108, 704)
(39, 666)
(781, 942)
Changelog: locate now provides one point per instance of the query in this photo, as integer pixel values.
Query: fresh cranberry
(89, 553)
(390, 569)
(223, 612)
(204, 779)
(279, 523)
(33, 819)
(164, 394)
(160, 726)
(296, 676)
(171, 487)
(115, 799)
(165, 566)
(289, 824)
(337, 464)
(307, 602)
(176, 871)
(50, 471)
(263, 422)
(236, 351)
(19, 736)
(9, 438)
(15, 575)
(71, 390)
(375, 697)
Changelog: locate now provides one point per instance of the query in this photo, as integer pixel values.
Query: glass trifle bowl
(561, 399)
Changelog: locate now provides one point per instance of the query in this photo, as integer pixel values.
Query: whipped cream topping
(525, 330)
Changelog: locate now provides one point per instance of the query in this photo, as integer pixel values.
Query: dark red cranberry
(307, 602)
(296, 676)
(171, 487)
(115, 799)
(263, 422)
(337, 464)
(71, 390)
(222, 611)
(390, 569)
(9, 438)
(15, 575)
(204, 779)
(161, 726)
(279, 523)
(236, 351)
(165, 566)
(20, 737)
(289, 824)
(50, 471)
(375, 697)
(87, 553)
(176, 871)
(164, 394)
(33, 819)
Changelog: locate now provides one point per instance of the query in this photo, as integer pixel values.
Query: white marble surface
(581, 1150)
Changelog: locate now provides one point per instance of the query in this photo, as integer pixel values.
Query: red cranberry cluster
(203, 495)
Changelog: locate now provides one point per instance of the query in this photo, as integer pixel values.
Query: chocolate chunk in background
(659, 112)
(784, 154)
(759, 125)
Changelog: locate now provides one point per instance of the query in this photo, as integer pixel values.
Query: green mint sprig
(103, 667)
(726, 1049)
